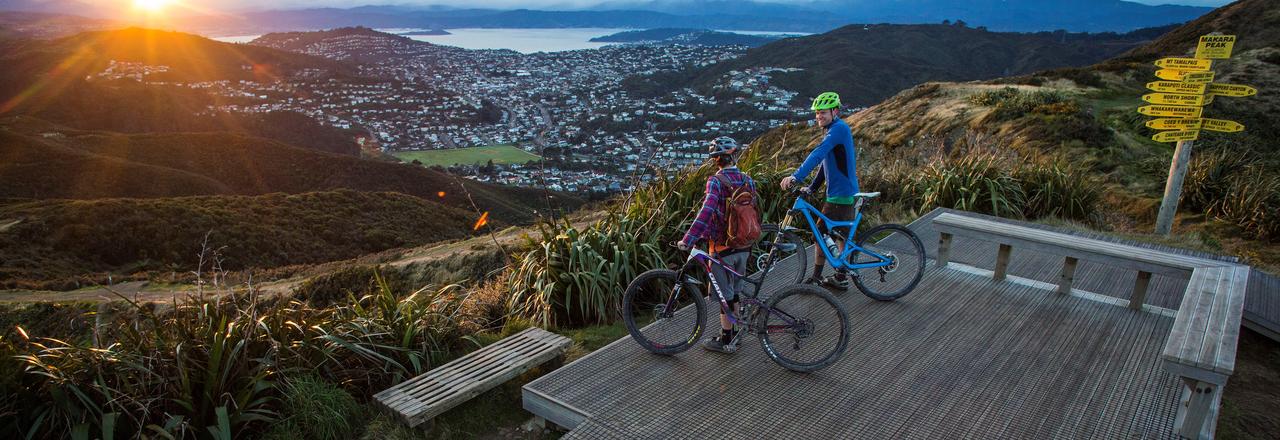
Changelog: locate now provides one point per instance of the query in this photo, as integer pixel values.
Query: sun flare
(151, 5)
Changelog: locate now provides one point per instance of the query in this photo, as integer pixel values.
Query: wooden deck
(962, 356)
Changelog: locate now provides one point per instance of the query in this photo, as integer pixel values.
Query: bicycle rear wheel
(773, 251)
(662, 315)
(804, 328)
(906, 267)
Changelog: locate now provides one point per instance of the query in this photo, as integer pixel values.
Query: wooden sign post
(1188, 89)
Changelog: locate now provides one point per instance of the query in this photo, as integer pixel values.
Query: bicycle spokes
(660, 310)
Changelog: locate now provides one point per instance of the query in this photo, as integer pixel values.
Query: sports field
(500, 154)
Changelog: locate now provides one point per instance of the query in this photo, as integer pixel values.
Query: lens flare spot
(440, 194)
(484, 220)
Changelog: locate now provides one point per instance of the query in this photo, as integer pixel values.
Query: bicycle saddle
(871, 195)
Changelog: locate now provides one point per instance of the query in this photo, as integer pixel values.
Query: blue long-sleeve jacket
(836, 154)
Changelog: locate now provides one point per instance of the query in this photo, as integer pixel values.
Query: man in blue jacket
(836, 155)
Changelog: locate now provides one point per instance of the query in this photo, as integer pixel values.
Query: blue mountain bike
(886, 262)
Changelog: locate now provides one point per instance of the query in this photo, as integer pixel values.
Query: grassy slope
(97, 164)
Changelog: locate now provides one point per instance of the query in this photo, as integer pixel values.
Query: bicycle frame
(704, 261)
(850, 247)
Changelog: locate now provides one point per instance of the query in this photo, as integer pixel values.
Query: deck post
(944, 249)
(1068, 275)
(1002, 262)
(1195, 409)
(1140, 290)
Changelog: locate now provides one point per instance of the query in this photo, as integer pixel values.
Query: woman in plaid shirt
(711, 224)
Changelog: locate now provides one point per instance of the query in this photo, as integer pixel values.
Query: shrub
(1058, 190)
(316, 409)
(1009, 102)
(214, 367)
(974, 183)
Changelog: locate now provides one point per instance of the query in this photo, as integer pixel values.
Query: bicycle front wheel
(906, 262)
(664, 316)
(804, 328)
(774, 251)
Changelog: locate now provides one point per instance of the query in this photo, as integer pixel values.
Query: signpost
(1192, 64)
(1215, 46)
(1176, 136)
(1187, 88)
(1177, 87)
(1175, 123)
(1185, 76)
(1222, 125)
(1232, 90)
(1175, 99)
(1177, 111)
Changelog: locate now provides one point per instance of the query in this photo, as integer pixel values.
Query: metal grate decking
(962, 356)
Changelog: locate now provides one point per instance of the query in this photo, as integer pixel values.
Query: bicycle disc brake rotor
(762, 262)
(660, 311)
(802, 330)
(893, 263)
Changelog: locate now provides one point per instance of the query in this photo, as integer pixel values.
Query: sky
(527, 4)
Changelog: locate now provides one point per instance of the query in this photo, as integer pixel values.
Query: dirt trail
(145, 291)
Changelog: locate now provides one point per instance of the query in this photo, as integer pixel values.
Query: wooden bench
(1201, 347)
(422, 398)
(1202, 344)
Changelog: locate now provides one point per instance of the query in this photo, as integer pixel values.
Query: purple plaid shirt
(711, 222)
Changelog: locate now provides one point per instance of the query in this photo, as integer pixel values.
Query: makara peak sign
(1215, 46)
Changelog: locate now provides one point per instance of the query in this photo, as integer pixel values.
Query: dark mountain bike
(801, 327)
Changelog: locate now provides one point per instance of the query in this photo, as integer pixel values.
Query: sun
(151, 5)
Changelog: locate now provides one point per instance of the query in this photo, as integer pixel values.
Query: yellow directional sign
(1176, 136)
(1192, 64)
(1223, 125)
(1175, 99)
(1176, 87)
(1174, 124)
(1185, 76)
(1176, 111)
(1215, 46)
(1233, 90)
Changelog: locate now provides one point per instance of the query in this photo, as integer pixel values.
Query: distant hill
(868, 63)
(86, 165)
(1004, 15)
(689, 37)
(188, 57)
(54, 80)
(367, 45)
(63, 244)
(18, 24)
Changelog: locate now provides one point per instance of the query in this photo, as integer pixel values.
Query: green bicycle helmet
(826, 101)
